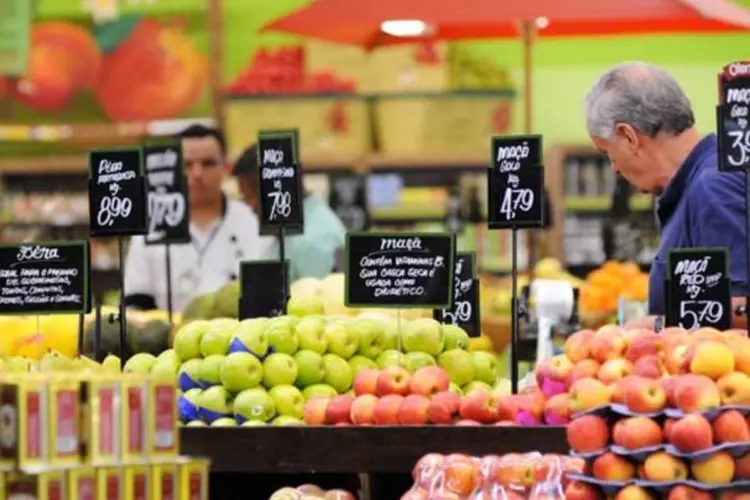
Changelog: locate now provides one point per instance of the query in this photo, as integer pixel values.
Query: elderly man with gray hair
(639, 117)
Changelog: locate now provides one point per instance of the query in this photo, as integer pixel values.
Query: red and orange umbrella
(369, 24)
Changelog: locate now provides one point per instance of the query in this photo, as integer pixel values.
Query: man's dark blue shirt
(700, 208)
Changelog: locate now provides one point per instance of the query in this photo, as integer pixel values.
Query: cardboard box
(81, 483)
(134, 407)
(193, 473)
(42, 486)
(101, 421)
(24, 423)
(109, 483)
(165, 482)
(138, 482)
(164, 435)
(64, 421)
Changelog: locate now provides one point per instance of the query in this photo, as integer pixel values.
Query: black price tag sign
(45, 278)
(117, 193)
(168, 215)
(516, 183)
(399, 270)
(348, 198)
(698, 290)
(732, 115)
(465, 310)
(280, 182)
(257, 300)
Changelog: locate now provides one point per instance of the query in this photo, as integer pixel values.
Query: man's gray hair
(643, 96)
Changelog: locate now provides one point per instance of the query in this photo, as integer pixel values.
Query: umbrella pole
(528, 30)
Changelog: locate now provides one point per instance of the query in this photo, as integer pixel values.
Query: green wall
(563, 68)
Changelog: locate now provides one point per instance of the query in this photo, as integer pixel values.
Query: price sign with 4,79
(698, 289)
(280, 183)
(515, 183)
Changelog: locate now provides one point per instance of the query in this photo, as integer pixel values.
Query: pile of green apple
(262, 371)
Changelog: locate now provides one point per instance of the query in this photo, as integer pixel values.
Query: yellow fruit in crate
(481, 343)
(45, 333)
(305, 286)
(10, 327)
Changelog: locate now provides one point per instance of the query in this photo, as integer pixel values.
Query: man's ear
(628, 133)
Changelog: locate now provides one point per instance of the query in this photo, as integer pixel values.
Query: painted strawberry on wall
(64, 59)
(150, 70)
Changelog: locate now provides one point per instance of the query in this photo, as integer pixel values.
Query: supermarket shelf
(350, 449)
(639, 202)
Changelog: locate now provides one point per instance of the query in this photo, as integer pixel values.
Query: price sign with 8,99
(698, 289)
(117, 192)
(280, 183)
(516, 183)
(465, 310)
(732, 115)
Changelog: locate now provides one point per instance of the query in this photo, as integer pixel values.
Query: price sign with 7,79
(515, 183)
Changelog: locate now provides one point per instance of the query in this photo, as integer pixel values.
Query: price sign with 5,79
(698, 289)
(515, 183)
(280, 182)
(465, 310)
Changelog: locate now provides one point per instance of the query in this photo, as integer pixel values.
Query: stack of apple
(263, 370)
(657, 414)
(393, 396)
(513, 476)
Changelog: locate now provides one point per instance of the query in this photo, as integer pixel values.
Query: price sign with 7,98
(515, 183)
(698, 289)
(280, 182)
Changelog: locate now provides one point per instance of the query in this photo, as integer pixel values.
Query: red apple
(587, 433)
(315, 410)
(444, 408)
(339, 409)
(645, 396)
(363, 409)
(386, 410)
(429, 380)
(393, 380)
(691, 433)
(649, 366)
(413, 410)
(481, 406)
(366, 382)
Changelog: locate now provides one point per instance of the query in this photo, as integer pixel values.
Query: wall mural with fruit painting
(134, 68)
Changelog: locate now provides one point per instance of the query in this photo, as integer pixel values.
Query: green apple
(285, 319)
(388, 358)
(323, 390)
(304, 305)
(455, 389)
(196, 423)
(169, 353)
(309, 368)
(338, 373)
(253, 423)
(254, 404)
(216, 339)
(240, 371)
(187, 340)
(141, 362)
(423, 335)
(288, 400)
(370, 337)
(413, 361)
(390, 333)
(359, 363)
(210, 370)
(485, 366)
(224, 422)
(189, 375)
(310, 334)
(476, 385)
(503, 387)
(111, 364)
(279, 369)
(188, 404)
(455, 337)
(459, 365)
(166, 369)
(286, 421)
(342, 341)
(281, 337)
(215, 400)
(250, 336)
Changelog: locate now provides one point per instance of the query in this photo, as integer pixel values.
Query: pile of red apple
(657, 414)
(393, 396)
(282, 71)
(514, 476)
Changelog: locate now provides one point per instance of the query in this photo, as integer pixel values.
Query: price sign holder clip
(281, 190)
(515, 188)
(733, 130)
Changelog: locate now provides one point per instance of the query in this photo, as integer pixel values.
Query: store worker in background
(310, 254)
(638, 116)
(223, 233)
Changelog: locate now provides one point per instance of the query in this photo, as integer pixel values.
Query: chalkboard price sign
(256, 301)
(516, 183)
(465, 310)
(732, 115)
(45, 278)
(168, 216)
(399, 270)
(698, 289)
(280, 182)
(117, 193)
